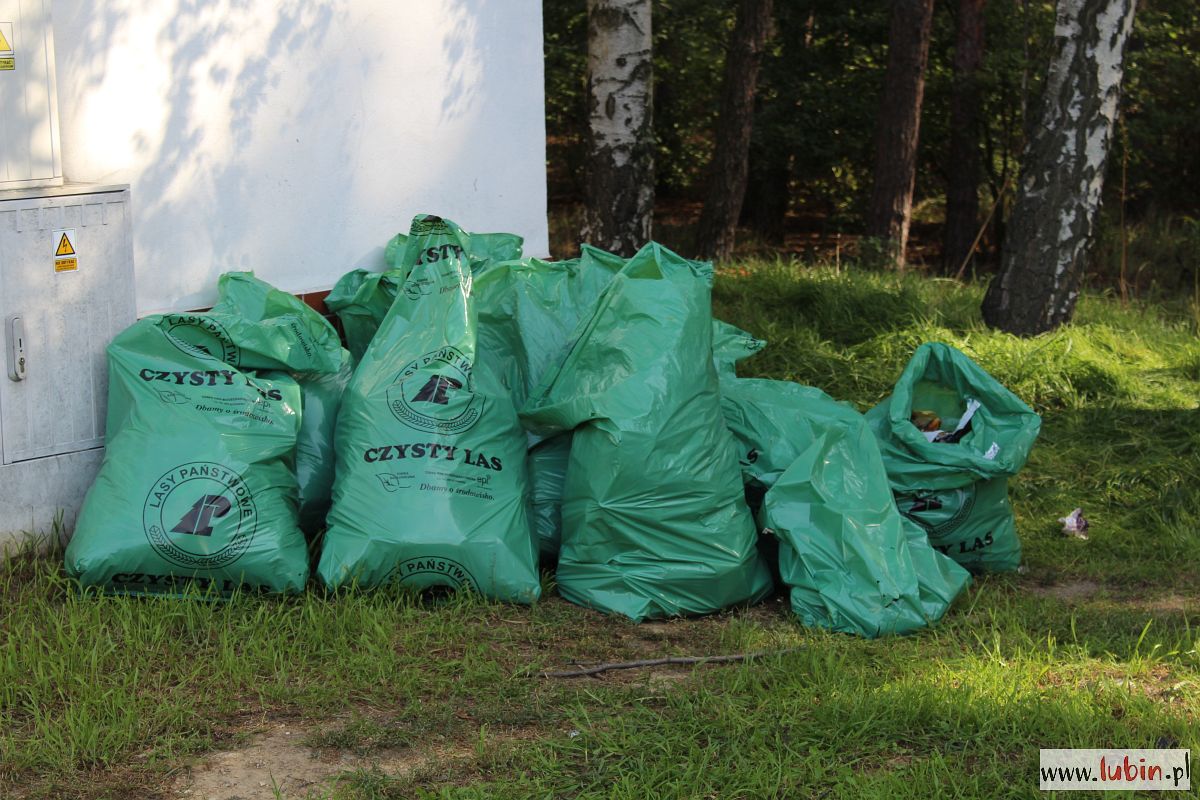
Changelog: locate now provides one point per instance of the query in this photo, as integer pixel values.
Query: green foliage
(1162, 253)
(690, 37)
(818, 98)
(1161, 110)
(1017, 41)
(565, 44)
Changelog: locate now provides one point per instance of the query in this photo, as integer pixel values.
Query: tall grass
(1161, 253)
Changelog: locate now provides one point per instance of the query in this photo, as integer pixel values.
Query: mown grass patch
(1094, 645)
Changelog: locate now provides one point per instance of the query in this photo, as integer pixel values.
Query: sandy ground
(277, 763)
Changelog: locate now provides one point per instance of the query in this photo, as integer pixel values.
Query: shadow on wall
(466, 53)
(250, 137)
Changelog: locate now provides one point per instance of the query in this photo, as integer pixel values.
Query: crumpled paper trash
(1075, 524)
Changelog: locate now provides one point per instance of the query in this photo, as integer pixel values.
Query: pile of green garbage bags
(493, 415)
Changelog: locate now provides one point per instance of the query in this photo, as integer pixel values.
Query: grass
(1095, 644)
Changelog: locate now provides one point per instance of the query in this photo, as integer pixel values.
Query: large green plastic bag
(528, 311)
(654, 522)
(361, 298)
(852, 562)
(320, 391)
(529, 308)
(431, 487)
(957, 492)
(197, 483)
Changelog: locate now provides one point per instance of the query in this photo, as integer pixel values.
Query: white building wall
(295, 137)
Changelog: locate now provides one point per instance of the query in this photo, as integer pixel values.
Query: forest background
(812, 155)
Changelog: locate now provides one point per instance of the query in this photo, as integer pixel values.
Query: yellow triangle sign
(4, 45)
(65, 248)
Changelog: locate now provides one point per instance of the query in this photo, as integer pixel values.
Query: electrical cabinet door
(66, 281)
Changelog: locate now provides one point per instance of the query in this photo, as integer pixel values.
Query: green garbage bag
(548, 460)
(850, 560)
(394, 250)
(956, 488)
(481, 249)
(731, 345)
(320, 391)
(320, 399)
(197, 484)
(431, 487)
(361, 298)
(654, 523)
(527, 312)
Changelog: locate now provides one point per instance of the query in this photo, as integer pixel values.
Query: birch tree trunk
(898, 124)
(962, 189)
(730, 165)
(618, 213)
(1053, 222)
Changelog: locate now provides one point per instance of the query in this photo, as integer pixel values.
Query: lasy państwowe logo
(200, 515)
(435, 393)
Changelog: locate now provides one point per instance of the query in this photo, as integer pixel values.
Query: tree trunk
(727, 182)
(898, 124)
(619, 202)
(1053, 221)
(765, 206)
(962, 189)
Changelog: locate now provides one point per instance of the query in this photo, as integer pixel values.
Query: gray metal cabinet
(66, 288)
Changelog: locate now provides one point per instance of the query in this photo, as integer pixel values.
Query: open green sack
(851, 561)
(361, 298)
(320, 392)
(431, 487)
(197, 484)
(654, 521)
(957, 489)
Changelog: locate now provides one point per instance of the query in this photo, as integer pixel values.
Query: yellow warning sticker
(8, 63)
(6, 37)
(65, 245)
(65, 257)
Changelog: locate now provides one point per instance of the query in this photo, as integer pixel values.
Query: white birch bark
(620, 181)
(1054, 219)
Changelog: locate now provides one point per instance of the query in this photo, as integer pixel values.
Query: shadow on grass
(846, 307)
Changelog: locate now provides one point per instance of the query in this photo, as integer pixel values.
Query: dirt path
(276, 762)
